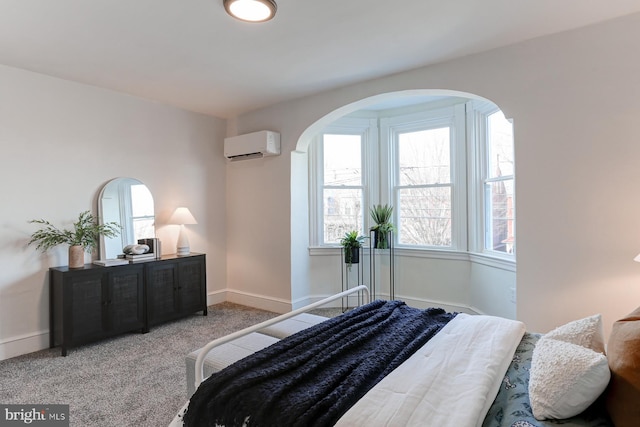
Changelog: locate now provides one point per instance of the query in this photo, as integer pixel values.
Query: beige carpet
(130, 380)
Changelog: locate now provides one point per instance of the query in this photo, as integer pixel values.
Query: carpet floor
(130, 380)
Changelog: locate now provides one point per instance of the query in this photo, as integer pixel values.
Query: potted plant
(351, 243)
(83, 237)
(381, 215)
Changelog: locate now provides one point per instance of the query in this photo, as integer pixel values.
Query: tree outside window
(424, 187)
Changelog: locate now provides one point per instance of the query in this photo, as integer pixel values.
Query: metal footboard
(208, 347)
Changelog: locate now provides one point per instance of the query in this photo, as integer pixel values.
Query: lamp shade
(182, 216)
(251, 10)
(637, 258)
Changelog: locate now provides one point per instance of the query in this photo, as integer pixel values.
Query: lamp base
(183, 251)
(183, 247)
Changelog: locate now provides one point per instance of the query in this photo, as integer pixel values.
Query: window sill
(490, 261)
(493, 261)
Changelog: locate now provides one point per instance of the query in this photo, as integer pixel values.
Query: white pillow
(587, 332)
(567, 374)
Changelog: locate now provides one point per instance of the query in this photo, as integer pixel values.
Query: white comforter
(451, 381)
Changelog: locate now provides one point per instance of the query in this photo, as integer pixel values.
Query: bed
(387, 364)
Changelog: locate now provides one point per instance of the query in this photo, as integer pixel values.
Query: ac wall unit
(251, 145)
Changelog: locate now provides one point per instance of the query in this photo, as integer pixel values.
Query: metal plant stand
(345, 274)
(372, 264)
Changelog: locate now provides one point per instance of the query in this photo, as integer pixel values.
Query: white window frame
(368, 130)
(452, 117)
(479, 113)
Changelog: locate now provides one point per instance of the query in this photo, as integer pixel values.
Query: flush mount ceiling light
(251, 10)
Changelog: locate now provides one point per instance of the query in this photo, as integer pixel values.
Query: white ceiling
(190, 54)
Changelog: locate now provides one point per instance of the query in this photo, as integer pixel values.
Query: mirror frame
(124, 214)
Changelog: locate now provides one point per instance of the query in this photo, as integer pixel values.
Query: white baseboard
(23, 344)
(216, 297)
(352, 301)
(262, 302)
(425, 303)
(413, 302)
(36, 341)
(275, 305)
(28, 343)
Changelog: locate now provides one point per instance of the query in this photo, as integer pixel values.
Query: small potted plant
(351, 243)
(381, 215)
(83, 237)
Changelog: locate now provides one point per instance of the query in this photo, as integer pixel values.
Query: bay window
(448, 171)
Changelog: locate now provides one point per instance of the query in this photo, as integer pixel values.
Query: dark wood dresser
(94, 302)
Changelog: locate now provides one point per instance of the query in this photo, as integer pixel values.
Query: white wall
(452, 281)
(420, 281)
(60, 142)
(574, 98)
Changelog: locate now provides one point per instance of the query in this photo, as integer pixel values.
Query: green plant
(381, 215)
(350, 242)
(85, 233)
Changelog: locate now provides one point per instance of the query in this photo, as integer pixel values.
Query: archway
(405, 97)
(460, 282)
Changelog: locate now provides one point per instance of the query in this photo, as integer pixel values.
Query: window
(342, 185)
(499, 207)
(142, 214)
(424, 187)
(447, 169)
(340, 174)
(428, 184)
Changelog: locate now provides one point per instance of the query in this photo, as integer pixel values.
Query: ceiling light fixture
(251, 10)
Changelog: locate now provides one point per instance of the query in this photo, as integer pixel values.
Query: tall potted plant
(351, 244)
(83, 237)
(381, 215)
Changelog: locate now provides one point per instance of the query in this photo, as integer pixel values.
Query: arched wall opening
(389, 97)
(458, 283)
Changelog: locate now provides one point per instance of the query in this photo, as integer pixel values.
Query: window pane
(424, 157)
(425, 216)
(501, 218)
(500, 147)
(143, 228)
(342, 213)
(342, 159)
(141, 201)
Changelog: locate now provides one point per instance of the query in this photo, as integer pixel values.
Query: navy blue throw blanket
(313, 377)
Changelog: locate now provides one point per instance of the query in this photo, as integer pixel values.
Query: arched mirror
(129, 203)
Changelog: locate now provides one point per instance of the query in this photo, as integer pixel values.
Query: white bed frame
(227, 338)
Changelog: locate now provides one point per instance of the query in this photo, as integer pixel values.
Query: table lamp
(182, 217)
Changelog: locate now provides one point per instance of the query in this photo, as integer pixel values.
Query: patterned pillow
(512, 407)
(568, 372)
(623, 395)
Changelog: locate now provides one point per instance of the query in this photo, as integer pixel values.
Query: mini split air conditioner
(252, 145)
